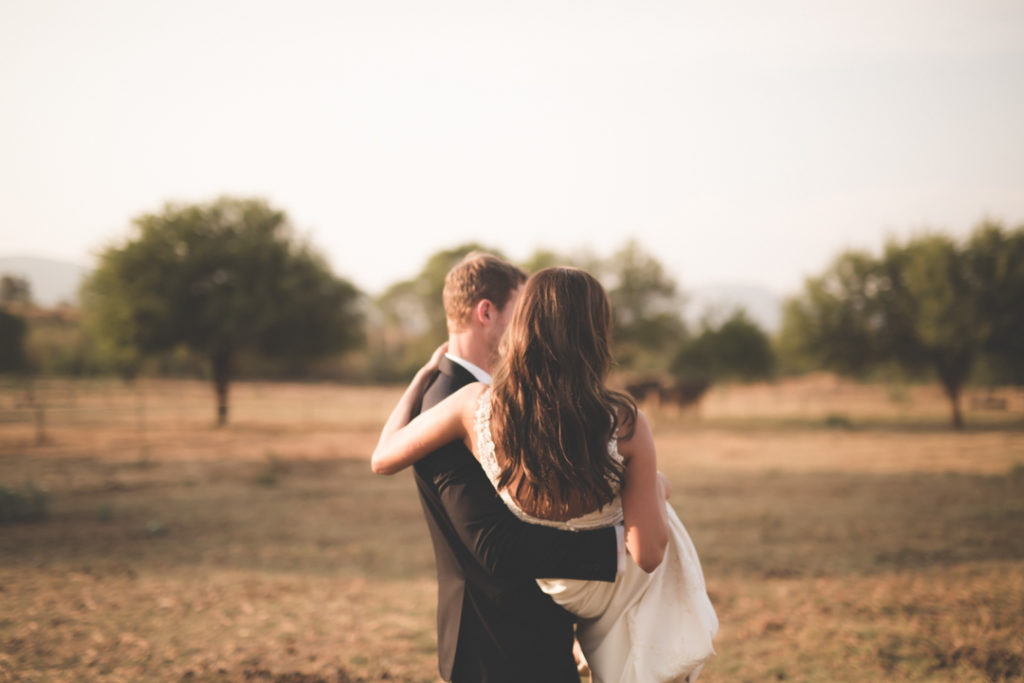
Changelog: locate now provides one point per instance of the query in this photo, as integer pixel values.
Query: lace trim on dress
(609, 515)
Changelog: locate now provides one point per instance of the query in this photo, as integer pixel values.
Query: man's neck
(469, 346)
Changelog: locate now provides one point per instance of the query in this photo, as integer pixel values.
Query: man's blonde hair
(476, 277)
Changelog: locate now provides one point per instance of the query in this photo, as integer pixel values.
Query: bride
(563, 450)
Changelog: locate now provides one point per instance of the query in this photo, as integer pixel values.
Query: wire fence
(44, 405)
(49, 404)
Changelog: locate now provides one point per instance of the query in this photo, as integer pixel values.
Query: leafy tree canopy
(737, 349)
(12, 342)
(995, 267)
(219, 278)
(647, 306)
(412, 320)
(15, 289)
(547, 258)
(928, 304)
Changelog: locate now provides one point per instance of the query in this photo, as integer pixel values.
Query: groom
(494, 625)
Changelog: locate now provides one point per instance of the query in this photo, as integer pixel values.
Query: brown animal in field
(680, 393)
(644, 389)
(684, 392)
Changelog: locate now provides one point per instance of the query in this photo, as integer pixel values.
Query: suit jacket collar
(460, 374)
(479, 374)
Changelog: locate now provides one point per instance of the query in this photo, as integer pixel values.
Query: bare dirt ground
(846, 535)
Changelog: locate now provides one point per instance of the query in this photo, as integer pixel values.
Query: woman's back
(576, 519)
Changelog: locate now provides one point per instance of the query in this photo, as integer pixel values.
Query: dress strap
(484, 442)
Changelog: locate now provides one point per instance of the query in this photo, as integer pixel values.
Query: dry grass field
(846, 535)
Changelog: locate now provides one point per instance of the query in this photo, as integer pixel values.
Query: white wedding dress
(643, 628)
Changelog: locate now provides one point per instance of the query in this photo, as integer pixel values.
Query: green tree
(647, 307)
(547, 258)
(831, 323)
(109, 320)
(57, 345)
(15, 289)
(736, 349)
(995, 263)
(544, 258)
(929, 304)
(219, 278)
(410, 320)
(929, 315)
(12, 342)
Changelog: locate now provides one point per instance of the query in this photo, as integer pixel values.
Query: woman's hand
(435, 358)
(400, 445)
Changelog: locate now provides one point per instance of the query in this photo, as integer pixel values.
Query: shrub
(29, 505)
(272, 470)
(838, 421)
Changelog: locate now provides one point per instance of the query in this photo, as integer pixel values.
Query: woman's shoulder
(628, 420)
(468, 398)
(633, 433)
(472, 391)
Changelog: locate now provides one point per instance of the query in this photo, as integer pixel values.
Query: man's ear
(484, 311)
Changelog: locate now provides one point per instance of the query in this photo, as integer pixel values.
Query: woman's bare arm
(403, 442)
(643, 498)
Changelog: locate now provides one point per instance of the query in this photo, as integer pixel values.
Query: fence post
(40, 424)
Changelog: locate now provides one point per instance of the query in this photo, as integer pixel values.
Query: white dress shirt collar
(480, 374)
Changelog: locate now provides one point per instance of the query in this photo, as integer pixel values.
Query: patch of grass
(31, 504)
(144, 462)
(899, 394)
(838, 421)
(105, 513)
(997, 664)
(272, 470)
(155, 527)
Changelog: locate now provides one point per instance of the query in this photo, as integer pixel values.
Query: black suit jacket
(493, 623)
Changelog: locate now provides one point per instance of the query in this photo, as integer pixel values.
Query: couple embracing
(541, 491)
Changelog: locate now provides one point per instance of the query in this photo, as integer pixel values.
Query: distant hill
(52, 281)
(762, 305)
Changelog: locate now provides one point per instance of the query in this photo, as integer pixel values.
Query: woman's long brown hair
(552, 414)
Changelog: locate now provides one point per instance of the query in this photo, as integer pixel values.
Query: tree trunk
(952, 388)
(38, 409)
(140, 412)
(953, 372)
(221, 376)
(958, 418)
(40, 424)
(140, 423)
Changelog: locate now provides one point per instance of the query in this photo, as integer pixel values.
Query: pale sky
(739, 142)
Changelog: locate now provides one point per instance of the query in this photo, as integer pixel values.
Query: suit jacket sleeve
(504, 545)
(508, 547)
